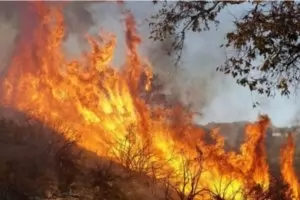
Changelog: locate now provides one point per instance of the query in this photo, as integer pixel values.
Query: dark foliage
(265, 40)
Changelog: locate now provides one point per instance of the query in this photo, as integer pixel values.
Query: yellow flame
(104, 106)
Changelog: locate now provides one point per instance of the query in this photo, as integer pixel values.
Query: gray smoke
(213, 94)
(77, 17)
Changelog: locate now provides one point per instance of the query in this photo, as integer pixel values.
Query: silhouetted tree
(265, 40)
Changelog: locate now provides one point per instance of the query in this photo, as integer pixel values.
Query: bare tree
(185, 181)
(134, 153)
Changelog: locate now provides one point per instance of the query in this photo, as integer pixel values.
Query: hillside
(36, 162)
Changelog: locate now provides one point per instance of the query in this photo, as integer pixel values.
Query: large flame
(104, 106)
(287, 167)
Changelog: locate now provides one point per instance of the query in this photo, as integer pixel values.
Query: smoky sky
(213, 94)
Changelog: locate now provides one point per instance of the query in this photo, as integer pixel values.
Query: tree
(188, 176)
(268, 32)
(134, 153)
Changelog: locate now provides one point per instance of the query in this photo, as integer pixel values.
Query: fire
(105, 108)
(287, 168)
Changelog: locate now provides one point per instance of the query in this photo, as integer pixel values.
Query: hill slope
(36, 162)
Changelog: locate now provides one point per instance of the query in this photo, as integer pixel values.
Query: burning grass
(105, 107)
(38, 162)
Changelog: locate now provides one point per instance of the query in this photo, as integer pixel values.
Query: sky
(213, 94)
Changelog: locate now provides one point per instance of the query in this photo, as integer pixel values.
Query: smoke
(214, 95)
(9, 29)
(12, 22)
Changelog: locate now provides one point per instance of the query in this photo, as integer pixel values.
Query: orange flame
(104, 106)
(287, 167)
